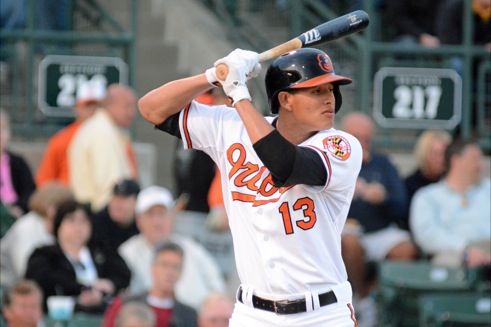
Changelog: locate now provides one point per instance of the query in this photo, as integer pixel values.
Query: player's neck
(293, 132)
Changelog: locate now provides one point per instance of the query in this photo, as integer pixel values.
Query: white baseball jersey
(286, 240)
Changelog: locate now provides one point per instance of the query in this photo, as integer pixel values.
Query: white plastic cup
(60, 307)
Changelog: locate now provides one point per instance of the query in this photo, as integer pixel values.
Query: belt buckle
(283, 302)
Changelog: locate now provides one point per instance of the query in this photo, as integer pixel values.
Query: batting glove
(242, 65)
(211, 76)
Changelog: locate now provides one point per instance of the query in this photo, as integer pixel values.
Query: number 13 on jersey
(306, 207)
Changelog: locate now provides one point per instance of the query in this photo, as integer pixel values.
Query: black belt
(285, 307)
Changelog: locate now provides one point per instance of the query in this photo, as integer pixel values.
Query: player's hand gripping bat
(326, 32)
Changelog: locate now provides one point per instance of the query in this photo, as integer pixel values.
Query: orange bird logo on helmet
(324, 63)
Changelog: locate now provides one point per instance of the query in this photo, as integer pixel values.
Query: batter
(288, 181)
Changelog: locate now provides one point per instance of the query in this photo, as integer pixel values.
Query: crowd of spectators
(155, 219)
(77, 264)
(111, 258)
(101, 249)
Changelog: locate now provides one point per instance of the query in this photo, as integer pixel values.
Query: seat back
(401, 284)
(455, 309)
(78, 320)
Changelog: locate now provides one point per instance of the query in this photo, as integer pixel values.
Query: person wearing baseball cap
(155, 214)
(154, 196)
(89, 97)
(115, 223)
(54, 163)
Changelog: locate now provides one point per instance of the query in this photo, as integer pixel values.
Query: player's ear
(285, 100)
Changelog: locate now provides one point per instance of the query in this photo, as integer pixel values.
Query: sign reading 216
(60, 78)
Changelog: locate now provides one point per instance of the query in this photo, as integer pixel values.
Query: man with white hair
(216, 311)
(101, 152)
(155, 219)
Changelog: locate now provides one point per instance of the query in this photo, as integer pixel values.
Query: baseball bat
(326, 32)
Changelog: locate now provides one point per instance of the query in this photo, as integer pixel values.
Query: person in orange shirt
(54, 164)
(217, 219)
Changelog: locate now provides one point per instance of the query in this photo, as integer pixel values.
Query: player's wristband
(211, 76)
(238, 93)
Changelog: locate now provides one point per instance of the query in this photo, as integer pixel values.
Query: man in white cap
(54, 164)
(155, 216)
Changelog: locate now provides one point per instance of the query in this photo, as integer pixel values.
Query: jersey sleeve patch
(338, 146)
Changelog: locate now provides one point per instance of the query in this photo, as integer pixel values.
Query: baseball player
(288, 181)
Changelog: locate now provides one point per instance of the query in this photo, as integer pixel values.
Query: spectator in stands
(78, 265)
(16, 181)
(450, 23)
(154, 219)
(54, 163)
(450, 219)
(135, 314)
(166, 268)
(219, 240)
(342, 7)
(215, 311)
(429, 153)
(30, 231)
(116, 222)
(12, 14)
(414, 21)
(53, 15)
(101, 152)
(217, 219)
(23, 304)
(12, 17)
(6, 219)
(379, 204)
(450, 29)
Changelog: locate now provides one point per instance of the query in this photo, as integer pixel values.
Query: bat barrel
(336, 28)
(329, 31)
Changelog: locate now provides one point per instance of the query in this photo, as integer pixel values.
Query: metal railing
(476, 115)
(93, 32)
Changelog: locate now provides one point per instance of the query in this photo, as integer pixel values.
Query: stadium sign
(61, 76)
(417, 98)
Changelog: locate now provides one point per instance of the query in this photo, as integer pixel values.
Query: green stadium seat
(455, 309)
(78, 320)
(402, 283)
(86, 320)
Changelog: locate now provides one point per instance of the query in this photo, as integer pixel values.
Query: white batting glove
(242, 65)
(211, 76)
(256, 70)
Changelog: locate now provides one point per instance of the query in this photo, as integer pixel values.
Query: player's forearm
(256, 125)
(159, 104)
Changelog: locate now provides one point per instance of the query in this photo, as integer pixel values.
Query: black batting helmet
(302, 68)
